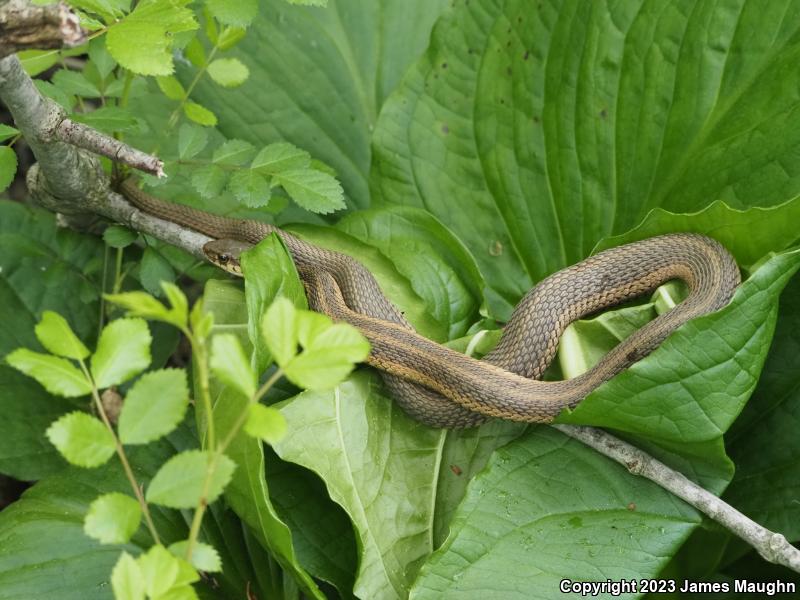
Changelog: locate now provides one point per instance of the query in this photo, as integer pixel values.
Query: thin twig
(770, 545)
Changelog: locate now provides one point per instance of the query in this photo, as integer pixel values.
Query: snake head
(225, 254)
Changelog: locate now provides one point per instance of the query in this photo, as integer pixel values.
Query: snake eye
(224, 258)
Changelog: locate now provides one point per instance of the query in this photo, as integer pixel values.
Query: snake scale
(443, 388)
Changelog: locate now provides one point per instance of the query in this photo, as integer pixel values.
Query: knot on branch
(24, 26)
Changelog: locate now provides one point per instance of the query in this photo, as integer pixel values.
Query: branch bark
(69, 180)
(24, 25)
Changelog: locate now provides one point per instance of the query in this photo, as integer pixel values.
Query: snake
(444, 388)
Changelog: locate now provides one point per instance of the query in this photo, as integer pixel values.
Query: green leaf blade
(228, 72)
(179, 483)
(278, 329)
(113, 518)
(123, 351)
(230, 364)
(154, 406)
(81, 439)
(265, 423)
(57, 375)
(57, 336)
(313, 190)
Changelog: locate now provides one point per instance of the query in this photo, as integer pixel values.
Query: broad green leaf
(126, 579)
(229, 363)
(209, 180)
(228, 72)
(7, 132)
(171, 87)
(233, 152)
(309, 325)
(250, 188)
(279, 157)
(100, 57)
(204, 557)
(82, 439)
(374, 461)
(352, 54)
(75, 83)
(37, 61)
(118, 236)
(57, 336)
(265, 423)
(313, 190)
(199, 114)
(248, 493)
(240, 13)
(179, 483)
(154, 406)
(510, 548)
(109, 119)
(269, 273)
(8, 167)
(57, 375)
(279, 331)
(439, 267)
(191, 140)
(329, 357)
(123, 351)
(142, 41)
(309, 2)
(155, 270)
(113, 518)
(599, 142)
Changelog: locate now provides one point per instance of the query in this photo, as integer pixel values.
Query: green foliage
(230, 365)
(56, 375)
(123, 351)
(181, 482)
(113, 518)
(204, 557)
(154, 406)
(8, 167)
(82, 439)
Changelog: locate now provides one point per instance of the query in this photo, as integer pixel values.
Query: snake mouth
(226, 254)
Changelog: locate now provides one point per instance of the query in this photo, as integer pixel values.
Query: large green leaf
(326, 72)
(534, 130)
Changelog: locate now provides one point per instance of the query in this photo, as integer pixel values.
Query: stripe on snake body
(444, 388)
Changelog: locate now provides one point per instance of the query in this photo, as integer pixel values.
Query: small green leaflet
(278, 329)
(142, 304)
(75, 82)
(123, 351)
(57, 337)
(279, 157)
(191, 140)
(142, 41)
(171, 87)
(204, 557)
(154, 270)
(179, 482)
(109, 119)
(199, 114)
(313, 190)
(100, 57)
(7, 132)
(250, 188)
(154, 406)
(112, 518)
(126, 579)
(230, 364)
(228, 72)
(239, 13)
(163, 572)
(81, 439)
(309, 2)
(329, 358)
(57, 375)
(209, 181)
(118, 236)
(265, 423)
(233, 153)
(8, 167)
(229, 37)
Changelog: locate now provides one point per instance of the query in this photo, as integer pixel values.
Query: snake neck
(212, 225)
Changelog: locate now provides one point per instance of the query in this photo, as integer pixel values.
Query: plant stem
(118, 272)
(122, 457)
(200, 350)
(242, 418)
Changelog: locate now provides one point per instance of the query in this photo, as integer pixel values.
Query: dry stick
(24, 25)
(771, 546)
(32, 112)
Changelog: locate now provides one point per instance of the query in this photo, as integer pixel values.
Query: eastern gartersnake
(444, 388)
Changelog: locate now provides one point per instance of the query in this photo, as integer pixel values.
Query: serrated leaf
(162, 571)
(142, 41)
(178, 302)
(228, 72)
(240, 13)
(50, 91)
(75, 82)
(118, 236)
(154, 270)
(154, 406)
(8, 167)
(7, 132)
(313, 190)
(195, 53)
(82, 439)
(230, 36)
(100, 57)
(250, 188)
(329, 358)
(209, 181)
(113, 518)
(230, 364)
(123, 351)
(265, 423)
(57, 337)
(233, 153)
(57, 375)
(126, 579)
(204, 557)
(172, 88)
(109, 119)
(191, 140)
(142, 304)
(278, 329)
(179, 483)
(309, 325)
(309, 2)
(199, 114)
(281, 156)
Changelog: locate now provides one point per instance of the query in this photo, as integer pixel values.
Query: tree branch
(770, 545)
(24, 25)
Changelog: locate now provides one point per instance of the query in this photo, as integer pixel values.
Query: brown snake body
(444, 388)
